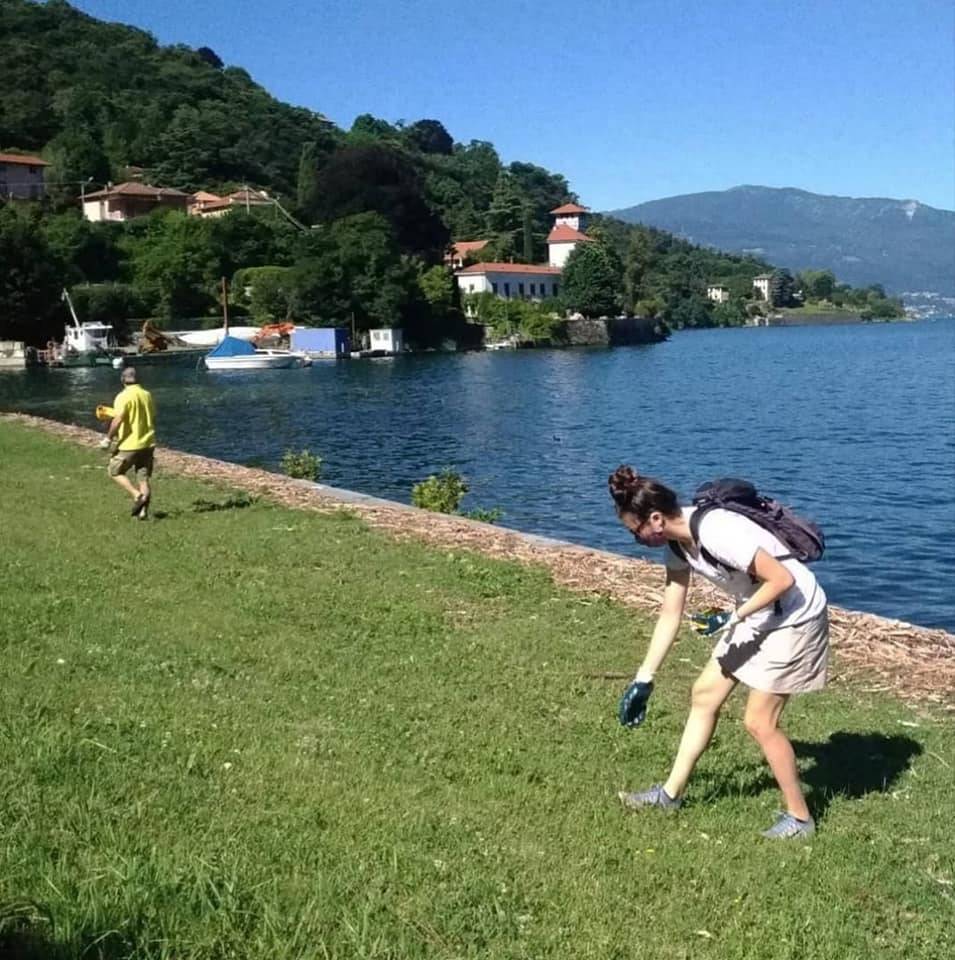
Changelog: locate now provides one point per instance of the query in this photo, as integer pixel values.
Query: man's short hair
(128, 375)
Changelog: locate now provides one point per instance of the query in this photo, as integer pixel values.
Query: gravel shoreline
(872, 653)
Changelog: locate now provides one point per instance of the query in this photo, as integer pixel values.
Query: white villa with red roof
(529, 281)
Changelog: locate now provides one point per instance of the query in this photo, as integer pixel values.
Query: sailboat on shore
(234, 353)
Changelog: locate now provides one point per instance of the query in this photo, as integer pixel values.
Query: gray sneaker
(788, 827)
(656, 796)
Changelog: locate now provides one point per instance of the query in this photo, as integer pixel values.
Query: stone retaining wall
(612, 331)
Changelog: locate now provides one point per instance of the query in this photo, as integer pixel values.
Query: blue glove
(633, 703)
(708, 622)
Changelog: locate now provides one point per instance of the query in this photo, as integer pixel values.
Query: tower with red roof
(570, 221)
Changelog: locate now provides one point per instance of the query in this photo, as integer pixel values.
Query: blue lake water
(854, 425)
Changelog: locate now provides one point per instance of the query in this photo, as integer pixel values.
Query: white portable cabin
(386, 339)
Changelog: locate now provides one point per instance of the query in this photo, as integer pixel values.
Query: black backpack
(803, 537)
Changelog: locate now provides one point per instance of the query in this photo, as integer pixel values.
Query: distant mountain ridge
(902, 244)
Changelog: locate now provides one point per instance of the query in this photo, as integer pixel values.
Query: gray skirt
(786, 660)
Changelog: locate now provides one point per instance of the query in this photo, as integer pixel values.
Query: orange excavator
(273, 331)
(153, 340)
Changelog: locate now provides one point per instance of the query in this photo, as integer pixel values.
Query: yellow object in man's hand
(104, 412)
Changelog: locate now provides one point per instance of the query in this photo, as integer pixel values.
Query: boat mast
(65, 295)
(225, 309)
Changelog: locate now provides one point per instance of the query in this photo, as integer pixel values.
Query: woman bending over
(776, 641)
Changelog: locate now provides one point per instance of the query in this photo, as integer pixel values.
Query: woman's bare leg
(709, 694)
(763, 711)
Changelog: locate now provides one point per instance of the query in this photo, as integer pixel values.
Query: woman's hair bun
(639, 495)
(624, 482)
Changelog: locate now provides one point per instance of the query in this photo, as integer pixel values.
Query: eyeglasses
(636, 533)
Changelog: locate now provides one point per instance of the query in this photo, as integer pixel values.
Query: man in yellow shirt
(133, 430)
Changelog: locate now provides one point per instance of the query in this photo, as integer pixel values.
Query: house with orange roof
(126, 201)
(200, 200)
(459, 252)
(245, 199)
(21, 176)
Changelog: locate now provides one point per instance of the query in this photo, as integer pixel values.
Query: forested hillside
(358, 221)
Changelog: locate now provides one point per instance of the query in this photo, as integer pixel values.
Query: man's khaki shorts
(139, 461)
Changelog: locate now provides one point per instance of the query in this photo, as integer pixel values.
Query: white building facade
(520, 281)
(717, 293)
(761, 284)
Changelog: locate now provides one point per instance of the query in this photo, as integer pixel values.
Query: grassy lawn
(240, 731)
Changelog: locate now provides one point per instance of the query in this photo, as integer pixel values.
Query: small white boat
(235, 354)
(260, 360)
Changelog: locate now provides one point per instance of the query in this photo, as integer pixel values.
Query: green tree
(691, 311)
(429, 136)
(817, 284)
(173, 264)
(637, 264)
(592, 280)
(543, 191)
(651, 308)
(438, 289)
(376, 178)
(367, 127)
(266, 291)
(30, 281)
(90, 251)
(76, 158)
(307, 187)
(782, 287)
(730, 313)
(353, 273)
(527, 233)
(505, 215)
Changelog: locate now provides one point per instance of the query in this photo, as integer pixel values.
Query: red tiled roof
(133, 189)
(27, 159)
(223, 203)
(571, 208)
(203, 196)
(565, 234)
(468, 246)
(539, 268)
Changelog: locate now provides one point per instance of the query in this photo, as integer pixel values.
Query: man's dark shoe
(139, 503)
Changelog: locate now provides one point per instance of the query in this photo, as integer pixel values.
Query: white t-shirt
(734, 539)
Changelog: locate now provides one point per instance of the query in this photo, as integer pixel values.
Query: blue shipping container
(322, 341)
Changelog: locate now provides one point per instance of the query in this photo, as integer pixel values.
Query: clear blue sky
(631, 99)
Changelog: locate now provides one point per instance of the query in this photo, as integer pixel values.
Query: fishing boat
(86, 344)
(235, 354)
